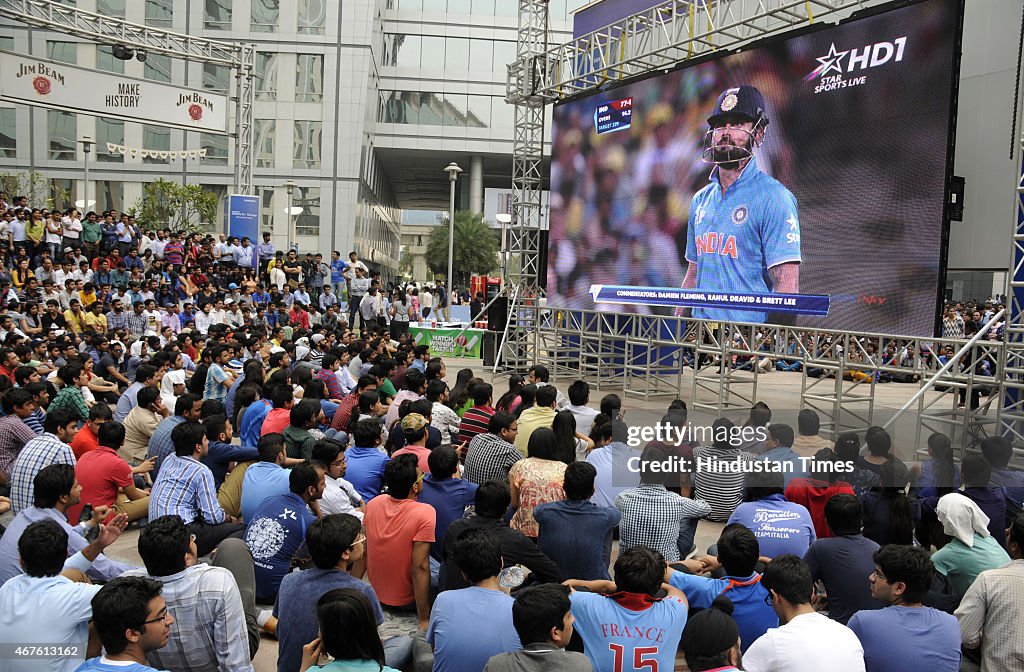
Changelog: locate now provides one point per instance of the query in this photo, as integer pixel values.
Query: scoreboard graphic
(612, 116)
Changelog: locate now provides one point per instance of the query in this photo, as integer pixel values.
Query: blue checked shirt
(160, 444)
(42, 451)
(185, 488)
(209, 631)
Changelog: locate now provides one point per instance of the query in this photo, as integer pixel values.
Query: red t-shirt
(344, 412)
(814, 495)
(392, 525)
(84, 442)
(421, 452)
(101, 473)
(276, 421)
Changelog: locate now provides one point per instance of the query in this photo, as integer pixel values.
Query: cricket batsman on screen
(744, 232)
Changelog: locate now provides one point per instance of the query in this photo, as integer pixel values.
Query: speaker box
(497, 314)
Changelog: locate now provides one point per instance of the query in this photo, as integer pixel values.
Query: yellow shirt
(533, 418)
(97, 323)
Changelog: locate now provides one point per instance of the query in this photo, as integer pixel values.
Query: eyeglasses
(162, 616)
(420, 479)
(878, 575)
(358, 541)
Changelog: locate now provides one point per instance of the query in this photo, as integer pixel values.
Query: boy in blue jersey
(743, 233)
(131, 619)
(738, 552)
(622, 624)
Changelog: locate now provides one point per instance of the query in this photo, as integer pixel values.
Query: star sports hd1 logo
(836, 69)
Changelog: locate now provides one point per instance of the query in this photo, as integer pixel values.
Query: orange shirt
(392, 525)
(83, 442)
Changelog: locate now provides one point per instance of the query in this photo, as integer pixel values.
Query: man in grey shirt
(544, 625)
(359, 287)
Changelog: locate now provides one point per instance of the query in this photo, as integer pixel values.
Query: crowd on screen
(306, 473)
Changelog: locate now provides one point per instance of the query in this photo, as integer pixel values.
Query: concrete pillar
(476, 184)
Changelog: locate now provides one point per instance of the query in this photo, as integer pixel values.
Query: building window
(312, 16)
(110, 131)
(61, 192)
(110, 8)
(266, 75)
(105, 60)
(8, 132)
(404, 51)
(504, 53)
(266, 207)
(155, 139)
(432, 53)
(65, 52)
(216, 77)
(216, 147)
(218, 15)
(265, 14)
(157, 68)
(309, 82)
(307, 144)
(63, 132)
(160, 13)
(111, 195)
(456, 53)
(221, 192)
(264, 130)
(308, 222)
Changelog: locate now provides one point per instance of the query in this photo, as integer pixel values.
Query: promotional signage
(800, 304)
(449, 342)
(38, 81)
(242, 213)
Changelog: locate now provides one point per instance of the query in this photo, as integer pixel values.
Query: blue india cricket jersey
(627, 631)
(735, 237)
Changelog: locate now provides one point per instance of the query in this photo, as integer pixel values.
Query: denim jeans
(398, 651)
(687, 532)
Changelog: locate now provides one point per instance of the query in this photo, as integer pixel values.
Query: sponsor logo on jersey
(840, 69)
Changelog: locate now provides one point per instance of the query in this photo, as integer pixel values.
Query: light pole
(87, 144)
(293, 244)
(453, 171)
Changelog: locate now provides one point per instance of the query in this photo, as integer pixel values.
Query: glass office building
(362, 103)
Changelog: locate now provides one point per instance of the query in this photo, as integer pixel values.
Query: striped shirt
(723, 490)
(185, 488)
(42, 451)
(160, 444)
(651, 516)
(475, 421)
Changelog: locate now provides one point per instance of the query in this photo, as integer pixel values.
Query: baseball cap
(743, 100)
(414, 421)
(233, 286)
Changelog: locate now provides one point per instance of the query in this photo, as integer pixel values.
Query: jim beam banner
(38, 81)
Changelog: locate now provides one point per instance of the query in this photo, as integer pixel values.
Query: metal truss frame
(101, 29)
(651, 356)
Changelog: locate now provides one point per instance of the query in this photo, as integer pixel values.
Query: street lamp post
(293, 244)
(453, 171)
(87, 144)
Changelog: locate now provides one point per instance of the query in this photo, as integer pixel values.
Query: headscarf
(136, 348)
(961, 518)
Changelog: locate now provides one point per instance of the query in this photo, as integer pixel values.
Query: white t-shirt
(338, 497)
(808, 643)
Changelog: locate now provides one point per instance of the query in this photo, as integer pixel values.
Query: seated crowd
(308, 482)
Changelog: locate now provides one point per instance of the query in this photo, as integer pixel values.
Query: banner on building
(46, 83)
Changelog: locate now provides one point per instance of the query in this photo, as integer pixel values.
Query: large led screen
(817, 199)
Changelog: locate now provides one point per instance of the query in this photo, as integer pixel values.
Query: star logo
(793, 224)
(833, 61)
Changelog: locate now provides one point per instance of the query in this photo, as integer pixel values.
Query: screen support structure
(108, 30)
(613, 350)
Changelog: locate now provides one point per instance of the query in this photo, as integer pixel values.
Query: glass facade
(108, 130)
(266, 75)
(8, 132)
(105, 61)
(309, 81)
(264, 142)
(265, 15)
(160, 13)
(306, 143)
(155, 138)
(312, 16)
(65, 52)
(62, 128)
(217, 15)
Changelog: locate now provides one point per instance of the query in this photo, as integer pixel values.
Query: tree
(475, 251)
(39, 189)
(166, 204)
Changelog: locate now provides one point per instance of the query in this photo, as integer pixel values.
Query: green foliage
(476, 248)
(39, 189)
(166, 204)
